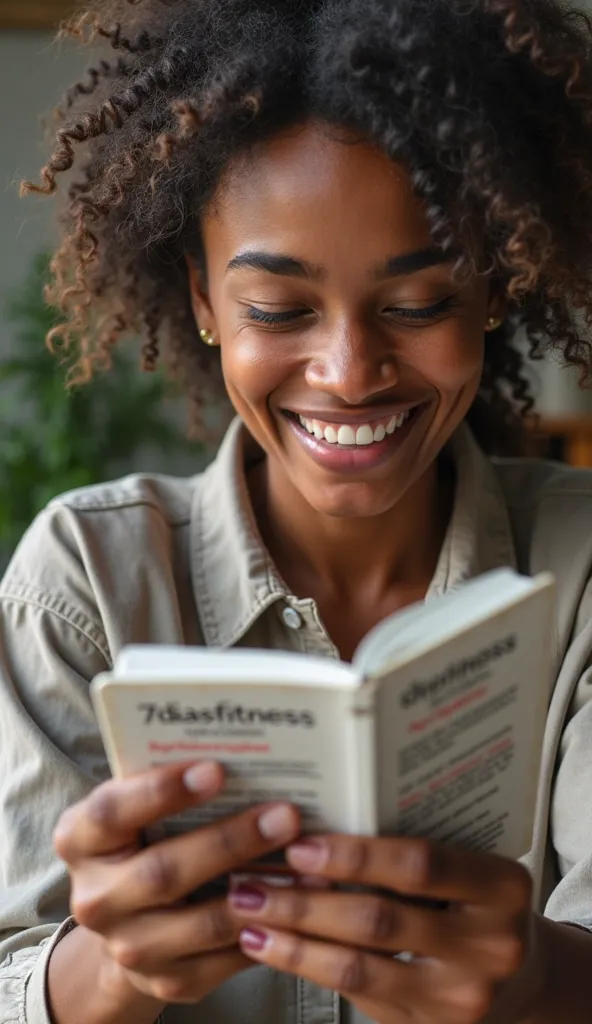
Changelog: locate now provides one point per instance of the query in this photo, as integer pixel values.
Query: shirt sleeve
(571, 814)
(570, 825)
(51, 754)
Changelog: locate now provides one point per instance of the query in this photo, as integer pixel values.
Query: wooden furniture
(566, 438)
(34, 14)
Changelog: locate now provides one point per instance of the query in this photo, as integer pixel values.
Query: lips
(353, 448)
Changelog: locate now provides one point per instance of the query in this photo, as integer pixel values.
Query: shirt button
(291, 618)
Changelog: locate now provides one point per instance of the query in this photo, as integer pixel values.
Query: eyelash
(261, 316)
(427, 313)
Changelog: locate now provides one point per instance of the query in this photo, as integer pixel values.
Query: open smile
(349, 447)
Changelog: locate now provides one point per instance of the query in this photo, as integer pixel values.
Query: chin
(351, 501)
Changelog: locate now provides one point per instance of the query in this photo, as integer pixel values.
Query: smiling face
(347, 348)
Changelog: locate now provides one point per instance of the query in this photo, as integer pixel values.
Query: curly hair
(487, 103)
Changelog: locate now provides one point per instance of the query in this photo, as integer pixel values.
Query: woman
(351, 207)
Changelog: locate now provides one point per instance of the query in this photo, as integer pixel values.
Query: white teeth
(309, 425)
(364, 435)
(345, 435)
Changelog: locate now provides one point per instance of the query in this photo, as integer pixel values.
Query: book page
(290, 743)
(414, 630)
(460, 734)
(167, 664)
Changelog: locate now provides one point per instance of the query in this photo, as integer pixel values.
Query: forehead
(318, 186)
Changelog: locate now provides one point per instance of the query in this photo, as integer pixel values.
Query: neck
(318, 553)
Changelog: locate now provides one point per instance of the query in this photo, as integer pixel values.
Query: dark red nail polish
(252, 940)
(247, 897)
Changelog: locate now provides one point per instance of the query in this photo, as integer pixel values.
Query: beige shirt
(152, 559)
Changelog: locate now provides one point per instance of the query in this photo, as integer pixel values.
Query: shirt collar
(235, 579)
(479, 535)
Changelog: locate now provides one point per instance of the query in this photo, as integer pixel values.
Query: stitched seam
(20, 997)
(25, 595)
(301, 997)
(206, 609)
(23, 1006)
(247, 621)
(204, 605)
(116, 505)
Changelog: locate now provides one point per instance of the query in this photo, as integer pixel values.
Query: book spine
(109, 728)
(364, 762)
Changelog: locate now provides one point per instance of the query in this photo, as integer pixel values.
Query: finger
(369, 922)
(367, 978)
(381, 923)
(189, 981)
(351, 972)
(415, 867)
(144, 941)
(115, 811)
(464, 1001)
(167, 871)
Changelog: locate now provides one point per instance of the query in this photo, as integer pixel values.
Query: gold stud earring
(493, 323)
(207, 337)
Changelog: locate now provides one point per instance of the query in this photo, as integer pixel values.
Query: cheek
(253, 366)
(455, 364)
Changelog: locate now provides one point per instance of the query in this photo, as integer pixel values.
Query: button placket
(318, 1005)
(304, 621)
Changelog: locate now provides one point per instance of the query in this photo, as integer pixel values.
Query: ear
(200, 301)
(497, 306)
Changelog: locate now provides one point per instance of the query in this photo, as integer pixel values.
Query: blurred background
(52, 440)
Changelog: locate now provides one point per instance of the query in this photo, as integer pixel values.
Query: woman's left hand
(472, 957)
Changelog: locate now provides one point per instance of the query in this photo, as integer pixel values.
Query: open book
(435, 729)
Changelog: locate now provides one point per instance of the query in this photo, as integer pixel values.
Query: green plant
(53, 439)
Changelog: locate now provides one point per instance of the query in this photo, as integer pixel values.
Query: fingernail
(247, 897)
(202, 778)
(252, 940)
(308, 855)
(277, 823)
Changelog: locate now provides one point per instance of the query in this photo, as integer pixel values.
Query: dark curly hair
(487, 103)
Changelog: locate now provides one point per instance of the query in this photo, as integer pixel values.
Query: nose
(354, 364)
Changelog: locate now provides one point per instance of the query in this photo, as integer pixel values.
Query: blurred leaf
(54, 440)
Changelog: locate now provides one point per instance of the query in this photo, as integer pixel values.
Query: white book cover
(435, 729)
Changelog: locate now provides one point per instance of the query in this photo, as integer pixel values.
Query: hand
(130, 896)
(471, 956)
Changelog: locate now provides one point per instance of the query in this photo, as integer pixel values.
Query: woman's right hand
(131, 896)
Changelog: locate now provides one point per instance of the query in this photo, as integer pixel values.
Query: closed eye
(416, 314)
(421, 313)
(263, 316)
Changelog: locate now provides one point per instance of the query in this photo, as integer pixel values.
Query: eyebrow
(276, 263)
(287, 266)
(412, 262)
